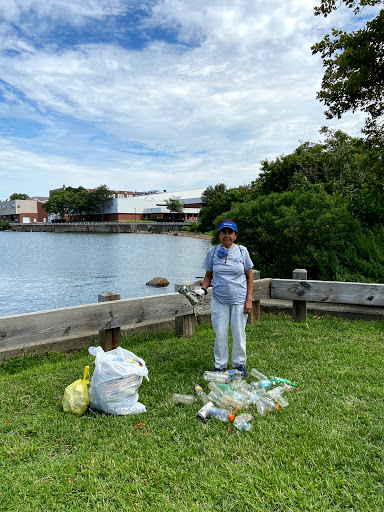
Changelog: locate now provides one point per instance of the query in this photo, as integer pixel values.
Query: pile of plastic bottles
(230, 393)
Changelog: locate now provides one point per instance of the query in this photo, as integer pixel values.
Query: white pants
(222, 315)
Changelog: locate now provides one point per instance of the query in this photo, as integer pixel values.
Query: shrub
(307, 230)
(4, 224)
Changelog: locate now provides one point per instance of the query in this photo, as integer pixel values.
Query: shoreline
(190, 235)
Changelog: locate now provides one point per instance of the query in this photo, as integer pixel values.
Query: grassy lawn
(324, 452)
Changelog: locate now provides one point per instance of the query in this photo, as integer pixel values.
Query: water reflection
(40, 271)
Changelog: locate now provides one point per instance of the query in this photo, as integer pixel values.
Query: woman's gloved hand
(201, 292)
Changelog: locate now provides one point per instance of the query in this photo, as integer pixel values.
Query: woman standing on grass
(229, 270)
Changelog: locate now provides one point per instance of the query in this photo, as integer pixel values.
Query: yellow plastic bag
(76, 396)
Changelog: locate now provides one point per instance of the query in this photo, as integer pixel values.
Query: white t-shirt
(229, 284)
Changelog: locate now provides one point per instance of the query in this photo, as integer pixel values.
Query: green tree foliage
(343, 166)
(216, 200)
(307, 229)
(175, 205)
(319, 208)
(354, 69)
(98, 199)
(73, 201)
(16, 195)
(4, 225)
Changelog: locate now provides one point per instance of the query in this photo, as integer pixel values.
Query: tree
(216, 200)
(98, 200)
(336, 164)
(16, 195)
(354, 69)
(174, 205)
(78, 200)
(311, 230)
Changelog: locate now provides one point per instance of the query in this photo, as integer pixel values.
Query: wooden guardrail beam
(362, 294)
(31, 328)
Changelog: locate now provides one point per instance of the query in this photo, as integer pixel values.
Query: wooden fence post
(109, 339)
(254, 315)
(185, 325)
(299, 306)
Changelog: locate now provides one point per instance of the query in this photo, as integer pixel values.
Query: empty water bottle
(213, 386)
(215, 398)
(183, 399)
(276, 395)
(258, 375)
(201, 394)
(262, 384)
(232, 402)
(220, 414)
(241, 422)
(241, 385)
(217, 377)
(265, 405)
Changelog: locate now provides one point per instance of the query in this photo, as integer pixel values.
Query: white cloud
(238, 85)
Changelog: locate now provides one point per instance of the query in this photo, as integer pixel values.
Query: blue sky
(168, 94)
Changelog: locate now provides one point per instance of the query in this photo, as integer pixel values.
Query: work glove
(200, 292)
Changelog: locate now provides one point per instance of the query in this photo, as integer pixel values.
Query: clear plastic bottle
(241, 385)
(221, 414)
(217, 377)
(225, 387)
(183, 399)
(277, 396)
(258, 375)
(230, 396)
(234, 373)
(262, 384)
(232, 402)
(241, 422)
(215, 398)
(258, 392)
(215, 388)
(201, 394)
(265, 405)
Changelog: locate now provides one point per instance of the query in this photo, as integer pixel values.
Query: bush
(193, 228)
(307, 230)
(4, 225)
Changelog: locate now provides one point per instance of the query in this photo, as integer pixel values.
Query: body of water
(40, 271)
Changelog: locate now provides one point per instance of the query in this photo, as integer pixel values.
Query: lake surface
(40, 271)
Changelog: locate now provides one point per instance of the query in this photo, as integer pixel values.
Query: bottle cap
(231, 417)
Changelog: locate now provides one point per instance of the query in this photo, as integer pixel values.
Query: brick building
(24, 210)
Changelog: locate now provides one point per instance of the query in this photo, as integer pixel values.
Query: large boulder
(159, 282)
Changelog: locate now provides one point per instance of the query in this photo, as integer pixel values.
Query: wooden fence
(27, 332)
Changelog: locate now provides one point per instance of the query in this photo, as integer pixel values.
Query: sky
(158, 94)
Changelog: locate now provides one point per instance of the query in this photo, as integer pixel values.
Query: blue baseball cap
(227, 224)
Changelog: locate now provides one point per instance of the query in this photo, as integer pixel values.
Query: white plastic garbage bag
(117, 377)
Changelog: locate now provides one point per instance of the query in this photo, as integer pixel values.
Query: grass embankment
(324, 452)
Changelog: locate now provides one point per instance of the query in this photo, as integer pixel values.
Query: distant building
(130, 205)
(24, 210)
(151, 206)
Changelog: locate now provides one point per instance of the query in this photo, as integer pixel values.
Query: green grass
(324, 452)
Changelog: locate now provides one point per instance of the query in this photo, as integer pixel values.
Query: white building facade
(152, 206)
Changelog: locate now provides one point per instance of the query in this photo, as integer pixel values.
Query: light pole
(135, 215)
